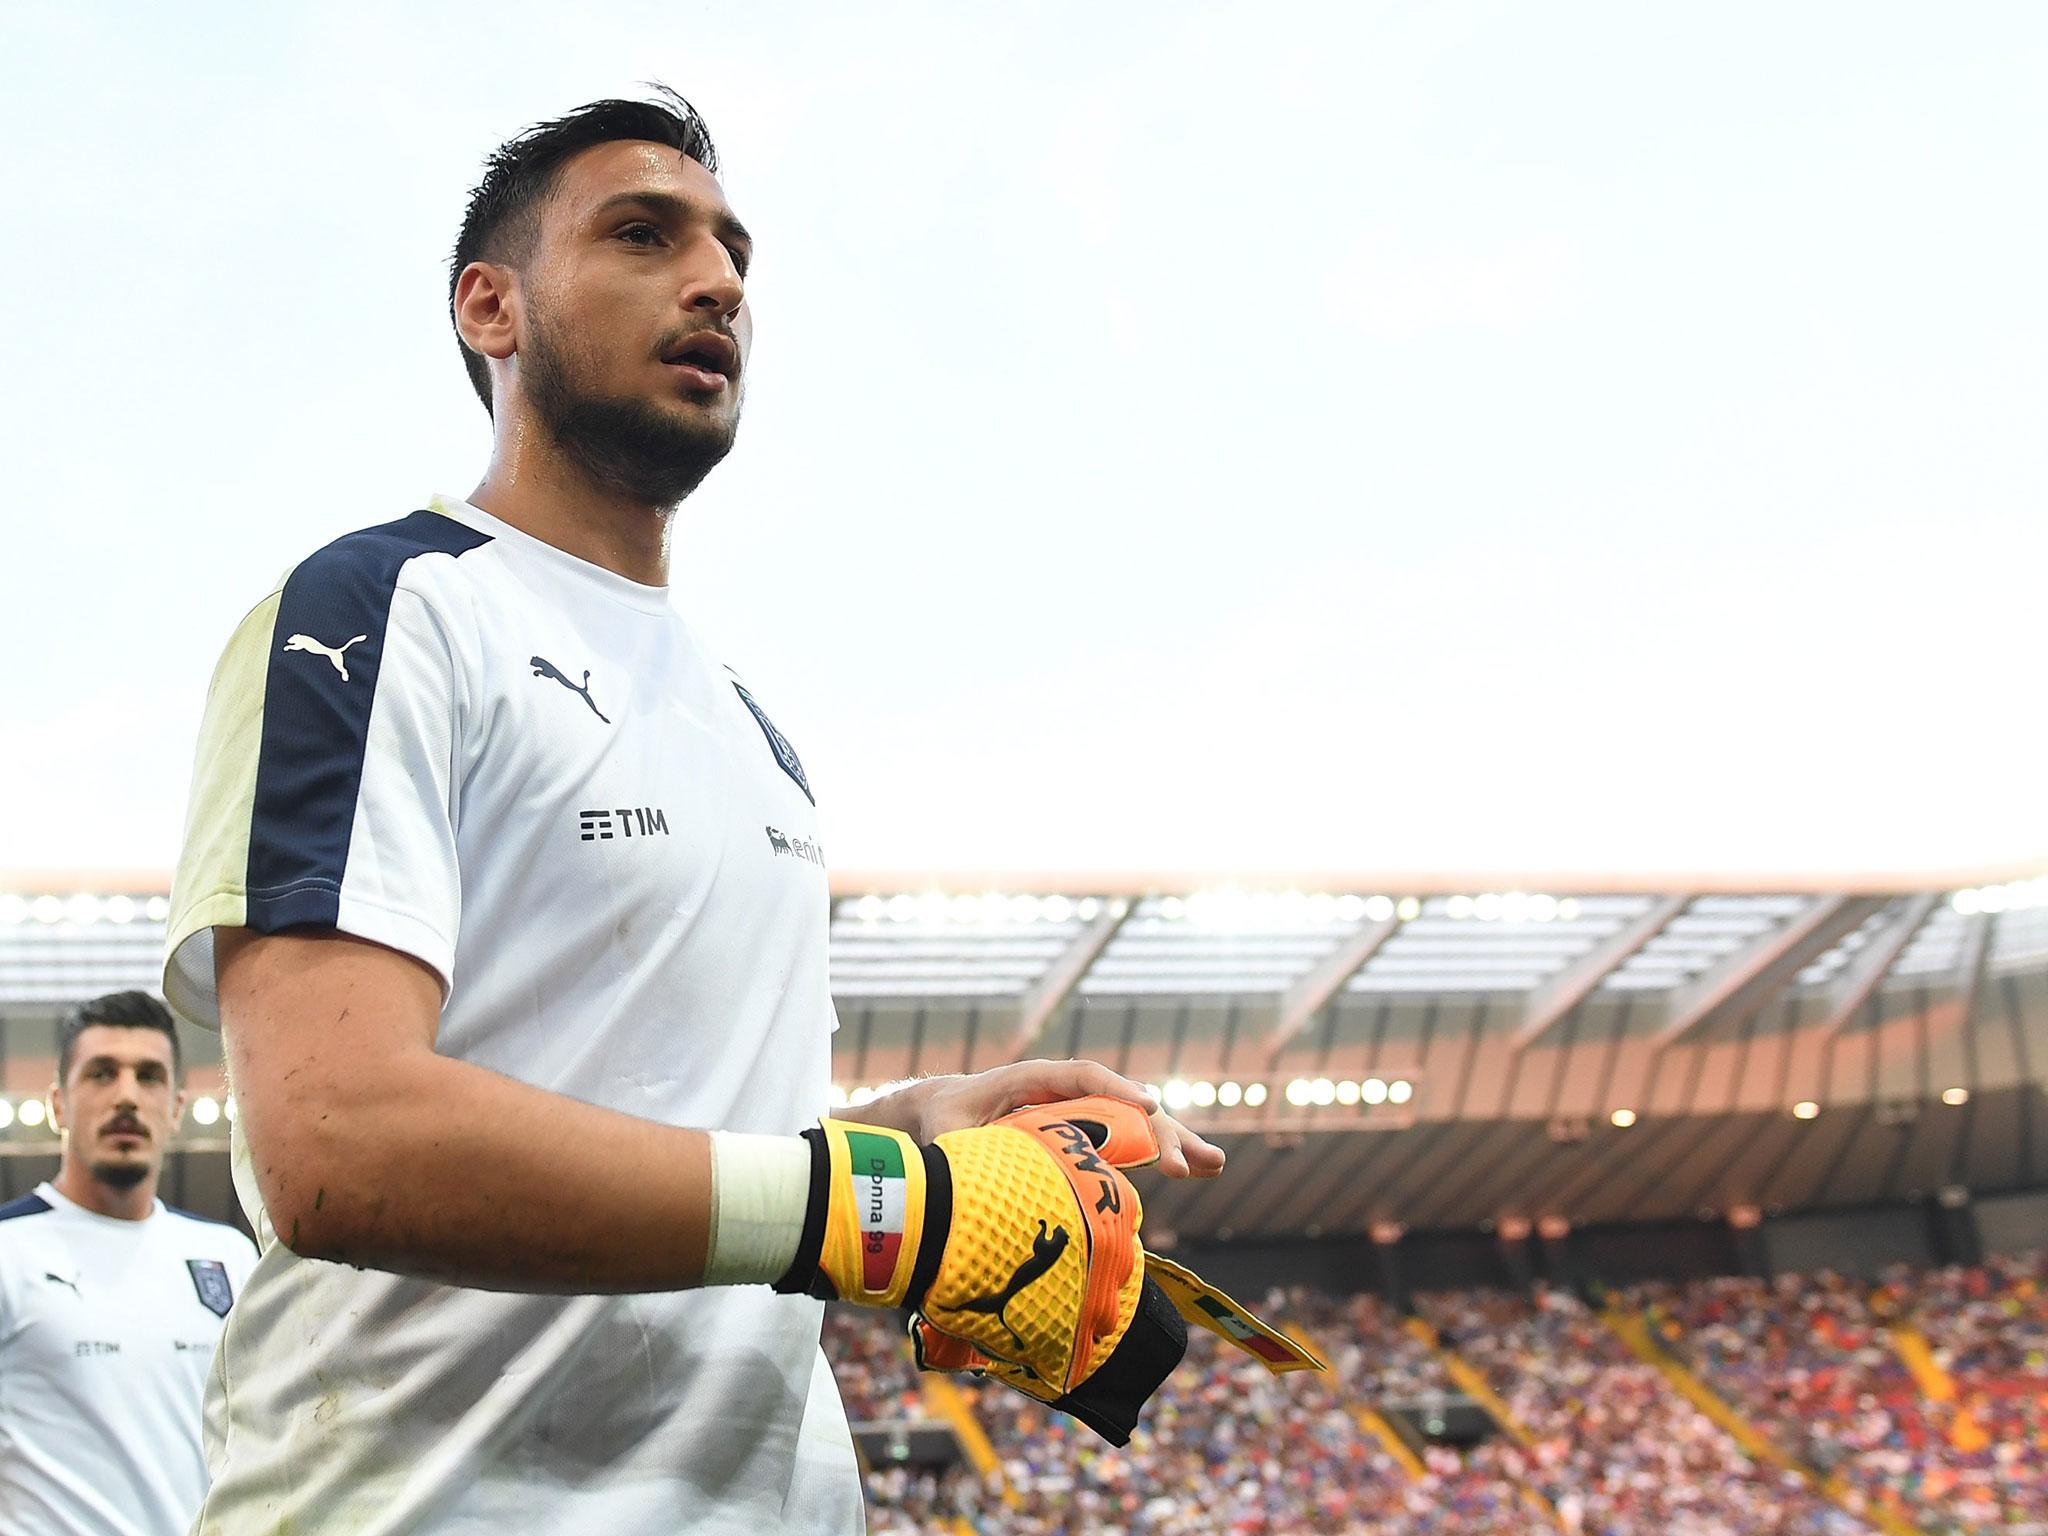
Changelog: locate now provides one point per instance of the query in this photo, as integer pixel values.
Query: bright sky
(1344, 437)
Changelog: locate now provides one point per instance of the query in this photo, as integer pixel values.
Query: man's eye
(741, 260)
(640, 234)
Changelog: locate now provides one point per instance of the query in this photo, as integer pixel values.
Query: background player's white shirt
(457, 740)
(107, 1330)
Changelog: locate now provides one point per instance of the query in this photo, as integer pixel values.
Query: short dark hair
(123, 1010)
(503, 218)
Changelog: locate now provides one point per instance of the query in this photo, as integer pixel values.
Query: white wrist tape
(760, 1194)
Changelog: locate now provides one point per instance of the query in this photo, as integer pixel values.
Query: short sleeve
(323, 793)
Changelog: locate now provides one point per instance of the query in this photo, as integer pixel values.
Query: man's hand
(931, 1106)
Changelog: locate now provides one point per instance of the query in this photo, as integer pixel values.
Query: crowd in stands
(1600, 1442)
(1613, 1447)
(1810, 1360)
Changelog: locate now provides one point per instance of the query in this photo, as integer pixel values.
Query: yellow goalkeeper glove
(1018, 1239)
(1016, 1246)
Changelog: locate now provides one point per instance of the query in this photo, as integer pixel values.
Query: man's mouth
(704, 360)
(125, 1128)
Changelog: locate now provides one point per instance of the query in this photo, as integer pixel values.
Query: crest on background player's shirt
(210, 1280)
(785, 754)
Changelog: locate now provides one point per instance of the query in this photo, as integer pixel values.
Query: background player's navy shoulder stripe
(27, 1205)
(325, 652)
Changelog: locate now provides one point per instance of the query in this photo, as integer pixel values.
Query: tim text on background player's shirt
(107, 1333)
(454, 739)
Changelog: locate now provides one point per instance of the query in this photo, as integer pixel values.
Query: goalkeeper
(508, 898)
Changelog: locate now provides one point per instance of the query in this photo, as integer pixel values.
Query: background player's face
(635, 329)
(118, 1103)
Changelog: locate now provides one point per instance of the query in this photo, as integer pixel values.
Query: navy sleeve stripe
(27, 1205)
(316, 713)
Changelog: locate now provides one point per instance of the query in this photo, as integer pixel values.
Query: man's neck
(538, 494)
(75, 1183)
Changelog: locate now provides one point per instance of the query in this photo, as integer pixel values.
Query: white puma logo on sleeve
(331, 652)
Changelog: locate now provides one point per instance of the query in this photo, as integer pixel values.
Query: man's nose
(715, 284)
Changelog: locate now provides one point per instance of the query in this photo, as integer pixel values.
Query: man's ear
(487, 308)
(53, 1100)
(178, 1102)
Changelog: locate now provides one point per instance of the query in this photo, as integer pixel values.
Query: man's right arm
(371, 1149)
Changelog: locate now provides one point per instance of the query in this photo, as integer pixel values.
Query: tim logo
(625, 821)
(796, 847)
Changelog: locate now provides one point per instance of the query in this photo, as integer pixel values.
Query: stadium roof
(1443, 1059)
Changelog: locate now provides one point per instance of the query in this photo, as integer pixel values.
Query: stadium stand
(1600, 1443)
(1811, 1358)
(1714, 1212)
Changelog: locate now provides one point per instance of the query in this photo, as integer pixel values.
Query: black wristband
(1109, 1400)
(938, 1223)
(803, 1277)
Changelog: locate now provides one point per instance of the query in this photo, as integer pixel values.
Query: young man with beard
(488, 880)
(111, 1303)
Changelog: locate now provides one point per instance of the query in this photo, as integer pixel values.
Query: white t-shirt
(107, 1330)
(454, 739)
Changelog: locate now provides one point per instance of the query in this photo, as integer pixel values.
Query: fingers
(1047, 1082)
(1183, 1154)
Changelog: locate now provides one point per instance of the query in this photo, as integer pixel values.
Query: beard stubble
(624, 445)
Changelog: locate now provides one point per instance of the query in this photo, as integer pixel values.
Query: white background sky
(1344, 437)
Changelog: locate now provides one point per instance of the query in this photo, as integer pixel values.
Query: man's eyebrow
(678, 210)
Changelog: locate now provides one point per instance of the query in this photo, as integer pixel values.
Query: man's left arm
(931, 1106)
